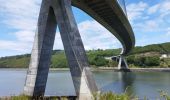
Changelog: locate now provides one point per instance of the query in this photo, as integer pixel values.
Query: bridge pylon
(122, 65)
(53, 13)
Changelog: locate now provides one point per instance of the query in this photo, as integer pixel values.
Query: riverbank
(133, 69)
(23, 97)
(100, 96)
(104, 69)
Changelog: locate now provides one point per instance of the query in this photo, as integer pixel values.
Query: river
(59, 82)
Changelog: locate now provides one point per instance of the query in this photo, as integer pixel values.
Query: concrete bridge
(59, 12)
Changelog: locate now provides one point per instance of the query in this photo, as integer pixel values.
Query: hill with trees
(146, 56)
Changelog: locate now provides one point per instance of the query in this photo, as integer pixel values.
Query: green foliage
(59, 60)
(165, 63)
(100, 61)
(139, 61)
(97, 96)
(91, 59)
(164, 95)
(111, 96)
(143, 61)
(152, 61)
(97, 58)
(161, 48)
(112, 63)
(15, 62)
(104, 53)
(23, 97)
(166, 47)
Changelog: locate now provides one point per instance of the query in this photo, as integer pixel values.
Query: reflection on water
(124, 83)
(127, 80)
(59, 82)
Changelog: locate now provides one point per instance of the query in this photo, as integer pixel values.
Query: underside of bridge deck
(109, 14)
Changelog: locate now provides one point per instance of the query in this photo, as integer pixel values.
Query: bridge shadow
(123, 84)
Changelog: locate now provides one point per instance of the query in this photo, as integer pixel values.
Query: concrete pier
(53, 13)
(41, 53)
(123, 64)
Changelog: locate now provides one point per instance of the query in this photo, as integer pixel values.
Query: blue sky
(150, 20)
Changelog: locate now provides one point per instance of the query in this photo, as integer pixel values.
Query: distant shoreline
(133, 69)
(114, 69)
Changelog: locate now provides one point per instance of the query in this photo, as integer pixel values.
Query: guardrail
(122, 5)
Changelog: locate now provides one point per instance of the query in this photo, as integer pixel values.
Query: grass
(23, 97)
(125, 96)
(97, 96)
(111, 96)
(164, 95)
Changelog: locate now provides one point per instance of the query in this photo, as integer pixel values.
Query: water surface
(60, 83)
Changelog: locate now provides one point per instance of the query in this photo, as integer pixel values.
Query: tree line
(146, 56)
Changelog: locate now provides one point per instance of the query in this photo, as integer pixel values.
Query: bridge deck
(111, 16)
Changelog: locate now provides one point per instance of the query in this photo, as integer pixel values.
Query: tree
(100, 61)
(152, 61)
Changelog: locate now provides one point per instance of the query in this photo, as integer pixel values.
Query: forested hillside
(147, 56)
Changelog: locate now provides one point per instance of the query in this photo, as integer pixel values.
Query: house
(165, 56)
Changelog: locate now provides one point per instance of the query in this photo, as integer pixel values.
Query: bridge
(59, 12)
(109, 14)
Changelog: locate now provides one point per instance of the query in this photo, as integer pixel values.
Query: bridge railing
(122, 5)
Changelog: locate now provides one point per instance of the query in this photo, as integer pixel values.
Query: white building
(165, 56)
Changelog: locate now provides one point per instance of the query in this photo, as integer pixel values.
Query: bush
(152, 61)
(100, 61)
(144, 61)
(111, 96)
(91, 59)
(135, 60)
(112, 63)
(130, 59)
(139, 61)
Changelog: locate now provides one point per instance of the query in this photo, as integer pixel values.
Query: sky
(150, 20)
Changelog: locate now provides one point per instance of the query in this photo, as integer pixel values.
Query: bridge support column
(59, 12)
(41, 53)
(82, 77)
(123, 66)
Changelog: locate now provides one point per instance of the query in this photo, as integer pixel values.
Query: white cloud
(168, 32)
(136, 10)
(165, 8)
(21, 24)
(25, 36)
(150, 21)
(153, 9)
(149, 18)
(162, 8)
(147, 26)
(20, 8)
(96, 36)
(58, 44)
(22, 16)
(14, 46)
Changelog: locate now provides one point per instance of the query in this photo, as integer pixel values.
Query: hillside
(160, 48)
(140, 56)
